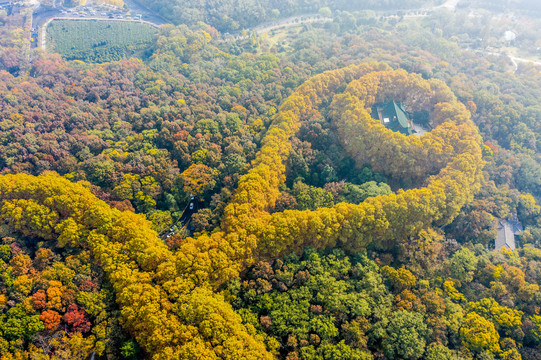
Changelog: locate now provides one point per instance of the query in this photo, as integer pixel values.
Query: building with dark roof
(507, 229)
(393, 116)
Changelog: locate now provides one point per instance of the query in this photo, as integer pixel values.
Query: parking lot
(131, 11)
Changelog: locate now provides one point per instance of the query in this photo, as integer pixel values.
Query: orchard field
(98, 41)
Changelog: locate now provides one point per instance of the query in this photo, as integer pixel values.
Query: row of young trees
(133, 129)
(166, 293)
(171, 318)
(248, 226)
(228, 251)
(163, 310)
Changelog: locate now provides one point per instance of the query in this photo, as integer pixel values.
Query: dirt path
(517, 60)
(514, 59)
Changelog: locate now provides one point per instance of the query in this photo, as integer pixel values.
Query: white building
(509, 36)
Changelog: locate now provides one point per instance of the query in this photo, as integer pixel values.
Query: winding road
(311, 18)
(42, 17)
(514, 59)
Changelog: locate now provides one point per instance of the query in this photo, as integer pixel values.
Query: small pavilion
(393, 116)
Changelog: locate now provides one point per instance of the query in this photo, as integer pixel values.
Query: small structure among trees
(509, 36)
(393, 116)
(507, 229)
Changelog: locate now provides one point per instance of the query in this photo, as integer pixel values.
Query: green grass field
(98, 41)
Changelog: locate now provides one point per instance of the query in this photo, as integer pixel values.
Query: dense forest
(318, 233)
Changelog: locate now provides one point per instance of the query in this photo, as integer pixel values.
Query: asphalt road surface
(41, 15)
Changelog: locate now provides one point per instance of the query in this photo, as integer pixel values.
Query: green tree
(325, 11)
(130, 350)
(406, 336)
(18, 324)
(462, 265)
(161, 220)
(440, 352)
(310, 197)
